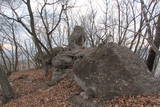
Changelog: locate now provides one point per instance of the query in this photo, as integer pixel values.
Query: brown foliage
(32, 92)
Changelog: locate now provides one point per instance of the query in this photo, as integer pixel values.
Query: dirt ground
(32, 91)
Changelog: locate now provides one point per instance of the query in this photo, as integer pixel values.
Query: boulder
(62, 63)
(65, 59)
(111, 70)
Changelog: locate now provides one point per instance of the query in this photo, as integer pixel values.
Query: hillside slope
(32, 91)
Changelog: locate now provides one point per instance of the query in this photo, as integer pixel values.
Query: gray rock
(111, 70)
(57, 77)
(62, 61)
(66, 59)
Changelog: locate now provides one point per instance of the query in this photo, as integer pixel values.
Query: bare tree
(152, 54)
(32, 27)
(5, 85)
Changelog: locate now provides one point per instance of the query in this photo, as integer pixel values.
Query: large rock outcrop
(65, 59)
(63, 62)
(111, 70)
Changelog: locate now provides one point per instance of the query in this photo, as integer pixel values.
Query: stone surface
(66, 59)
(111, 70)
(78, 101)
(62, 61)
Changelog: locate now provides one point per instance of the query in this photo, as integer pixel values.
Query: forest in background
(29, 27)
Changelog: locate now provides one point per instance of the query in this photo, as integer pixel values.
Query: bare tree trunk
(6, 87)
(4, 61)
(136, 34)
(16, 48)
(119, 23)
(68, 25)
(8, 68)
(152, 54)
